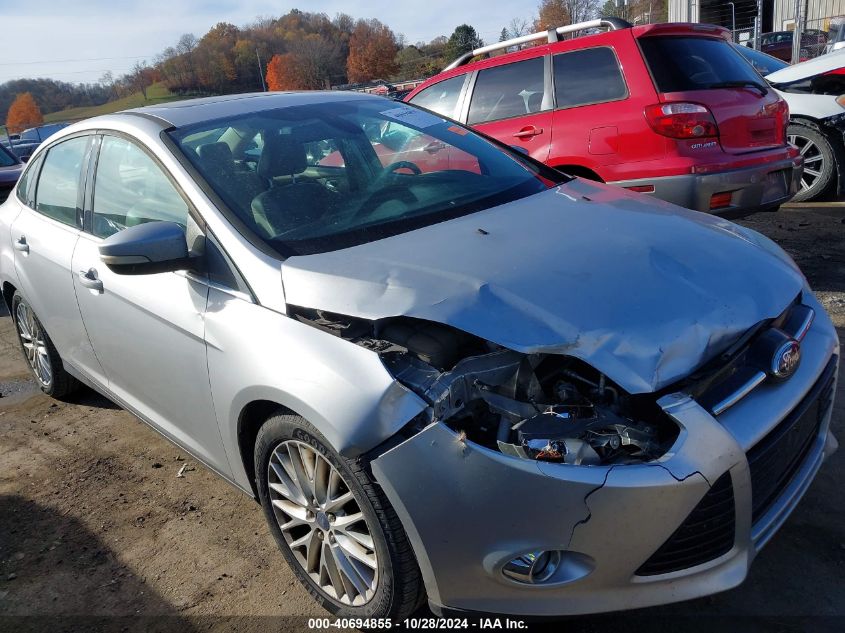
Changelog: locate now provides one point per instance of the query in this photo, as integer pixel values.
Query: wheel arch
(8, 292)
(251, 417)
(580, 171)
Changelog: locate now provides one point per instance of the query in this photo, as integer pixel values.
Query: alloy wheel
(34, 345)
(813, 160)
(322, 523)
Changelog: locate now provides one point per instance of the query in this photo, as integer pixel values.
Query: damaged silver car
(446, 371)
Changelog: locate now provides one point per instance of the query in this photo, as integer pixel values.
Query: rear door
(513, 103)
(44, 235)
(708, 71)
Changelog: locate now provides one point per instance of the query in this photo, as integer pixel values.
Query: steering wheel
(403, 164)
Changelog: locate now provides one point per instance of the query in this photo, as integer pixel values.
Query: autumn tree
(463, 40)
(282, 73)
(554, 13)
(23, 113)
(372, 52)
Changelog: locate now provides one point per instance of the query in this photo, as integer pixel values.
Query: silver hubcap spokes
(32, 339)
(322, 523)
(813, 160)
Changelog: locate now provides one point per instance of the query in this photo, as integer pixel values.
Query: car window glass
(131, 189)
(442, 97)
(26, 185)
(694, 63)
(507, 91)
(58, 184)
(587, 76)
(6, 159)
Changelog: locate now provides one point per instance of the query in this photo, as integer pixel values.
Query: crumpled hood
(642, 290)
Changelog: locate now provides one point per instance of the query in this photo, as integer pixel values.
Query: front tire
(40, 353)
(819, 161)
(334, 525)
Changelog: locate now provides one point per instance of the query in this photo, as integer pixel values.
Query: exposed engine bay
(534, 406)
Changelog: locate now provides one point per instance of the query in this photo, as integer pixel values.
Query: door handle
(89, 279)
(528, 132)
(21, 245)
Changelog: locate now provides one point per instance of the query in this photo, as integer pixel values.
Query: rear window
(679, 64)
(588, 76)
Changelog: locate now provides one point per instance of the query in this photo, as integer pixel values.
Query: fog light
(721, 199)
(533, 567)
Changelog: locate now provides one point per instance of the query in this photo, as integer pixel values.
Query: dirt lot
(97, 532)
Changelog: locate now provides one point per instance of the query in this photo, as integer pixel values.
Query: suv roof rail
(551, 35)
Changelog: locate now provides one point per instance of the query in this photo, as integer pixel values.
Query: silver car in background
(445, 371)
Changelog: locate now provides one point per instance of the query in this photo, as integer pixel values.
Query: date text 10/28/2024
(492, 623)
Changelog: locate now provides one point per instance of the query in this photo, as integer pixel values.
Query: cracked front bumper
(469, 510)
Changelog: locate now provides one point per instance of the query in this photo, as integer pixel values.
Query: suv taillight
(681, 120)
(783, 113)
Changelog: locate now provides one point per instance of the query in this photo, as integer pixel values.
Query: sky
(79, 40)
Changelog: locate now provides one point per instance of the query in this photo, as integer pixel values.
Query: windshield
(6, 159)
(324, 176)
(695, 63)
(763, 63)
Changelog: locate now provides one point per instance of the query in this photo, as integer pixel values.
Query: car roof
(193, 111)
(822, 63)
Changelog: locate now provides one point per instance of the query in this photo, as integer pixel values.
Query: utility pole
(733, 20)
(758, 25)
(260, 72)
(797, 32)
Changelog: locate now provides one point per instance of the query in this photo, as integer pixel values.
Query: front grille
(774, 460)
(706, 534)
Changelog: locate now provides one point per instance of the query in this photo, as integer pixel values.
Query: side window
(442, 97)
(130, 189)
(507, 91)
(26, 185)
(588, 76)
(58, 184)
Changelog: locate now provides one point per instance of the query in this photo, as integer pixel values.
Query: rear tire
(39, 352)
(312, 527)
(819, 161)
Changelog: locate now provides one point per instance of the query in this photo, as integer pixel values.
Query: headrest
(216, 154)
(282, 156)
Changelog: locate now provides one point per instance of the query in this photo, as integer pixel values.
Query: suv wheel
(819, 161)
(333, 524)
(40, 353)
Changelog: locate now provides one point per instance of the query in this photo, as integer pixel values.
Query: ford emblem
(785, 360)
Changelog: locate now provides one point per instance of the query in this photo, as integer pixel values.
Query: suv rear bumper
(752, 189)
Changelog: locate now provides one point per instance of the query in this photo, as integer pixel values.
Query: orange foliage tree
(282, 73)
(23, 113)
(372, 52)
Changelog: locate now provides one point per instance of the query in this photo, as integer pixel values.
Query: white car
(815, 93)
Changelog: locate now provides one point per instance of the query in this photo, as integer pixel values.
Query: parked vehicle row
(10, 170)
(667, 109)
(25, 143)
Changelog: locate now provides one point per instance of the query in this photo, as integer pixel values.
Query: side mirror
(152, 247)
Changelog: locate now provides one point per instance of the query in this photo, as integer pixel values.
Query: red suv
(666, 109)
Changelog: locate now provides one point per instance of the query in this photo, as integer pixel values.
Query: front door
(147, 330)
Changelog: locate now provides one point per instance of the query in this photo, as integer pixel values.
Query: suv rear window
(588, 76)
(507, 91)
(679, 64)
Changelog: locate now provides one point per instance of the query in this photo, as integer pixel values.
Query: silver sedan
(446, 371)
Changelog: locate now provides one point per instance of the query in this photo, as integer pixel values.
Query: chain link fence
(792, 30)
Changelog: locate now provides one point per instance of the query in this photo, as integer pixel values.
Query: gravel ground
(97, 532)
